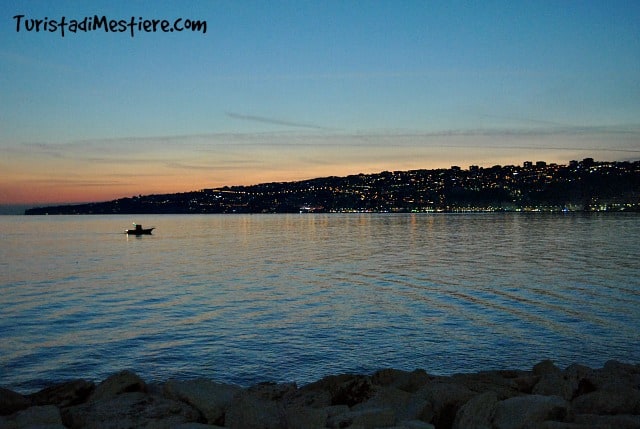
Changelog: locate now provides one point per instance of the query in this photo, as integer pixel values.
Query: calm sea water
(253, 298)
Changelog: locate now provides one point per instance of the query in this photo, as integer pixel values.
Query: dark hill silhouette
(580, 186)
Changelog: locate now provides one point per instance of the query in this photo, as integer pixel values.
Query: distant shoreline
(580, 186)
(14, 209)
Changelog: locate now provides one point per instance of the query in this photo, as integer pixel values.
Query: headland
(585, 185)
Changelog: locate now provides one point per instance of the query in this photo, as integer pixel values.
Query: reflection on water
(295, 297)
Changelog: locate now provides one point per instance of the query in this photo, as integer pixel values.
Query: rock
(251, 410)
(196, 426)
(442, 401)
(477, 413)
(335, 410)
(403, 380)
(129, 410)
(524, 384)
(64, 394)
(543, 398)
(579, 377)
(554, 384)
(353, 392)
(391, 397)
(313, 396)
(546, 367)
(211, 399)
(613, 376)
(506, 384)
(522, 411)
(11, 402)
(619, 374)
(305, 418)
(122, 382)
(344, 389)
(44, 417)
(415, 424)
(273, 391)
(616, 367)
(622, 401)
(565, 425)
(622, 421)
(365, 418)
(374, 418)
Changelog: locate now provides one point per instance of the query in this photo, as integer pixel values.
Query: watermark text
(132, 25)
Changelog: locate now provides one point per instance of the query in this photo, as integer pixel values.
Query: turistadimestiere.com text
(102, 23)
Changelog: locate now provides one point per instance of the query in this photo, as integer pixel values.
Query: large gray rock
(11, 402)
(545, 367)
(618, 374)
(40, 417)
(273, 391)
(554, 384)
(506, 384)
(196, 426)
(521, 412)
(298, 417)
(441, 402)
(343, 389)
(402, 380)
(367, 418)
(64, 394)
(614, 376)
(311, 396)
(566, 425)
(621, 421)
(477, 413)
(580, 378)
(129, 410)
(394, 398)
(552, 381)
(210, 398)
(122, 382)
(260, 406)
(620, 401)
(415, 424)
(249, 410)
(617, 367)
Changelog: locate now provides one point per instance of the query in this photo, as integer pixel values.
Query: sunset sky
(287, 90)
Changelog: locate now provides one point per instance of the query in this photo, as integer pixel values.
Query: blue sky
(285, 90)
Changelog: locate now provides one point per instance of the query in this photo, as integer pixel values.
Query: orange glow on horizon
(56, 190)
(93, 172)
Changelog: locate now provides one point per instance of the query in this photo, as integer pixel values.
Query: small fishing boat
(138, 230)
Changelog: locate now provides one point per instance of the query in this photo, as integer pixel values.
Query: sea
(246, 299)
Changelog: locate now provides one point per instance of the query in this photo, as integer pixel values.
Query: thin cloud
(177, 151)
(79, 182)
(231, 165)
(275, 121)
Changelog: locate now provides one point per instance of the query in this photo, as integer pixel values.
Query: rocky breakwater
(544, 397)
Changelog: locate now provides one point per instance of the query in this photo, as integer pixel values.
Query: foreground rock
(548, 397)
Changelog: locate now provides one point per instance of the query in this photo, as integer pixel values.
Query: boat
(138, 230)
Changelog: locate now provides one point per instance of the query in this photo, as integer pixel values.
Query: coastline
(544, 396)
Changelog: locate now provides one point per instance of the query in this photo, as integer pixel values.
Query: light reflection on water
(253, 298)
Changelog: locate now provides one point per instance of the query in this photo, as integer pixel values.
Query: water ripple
(253, 298)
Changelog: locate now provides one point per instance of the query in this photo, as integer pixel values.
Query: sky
(291, 90)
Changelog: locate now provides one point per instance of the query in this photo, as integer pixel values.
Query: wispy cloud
(226, 165)
(109, 168)
(243, 150)
(78, 182)
(276, 121)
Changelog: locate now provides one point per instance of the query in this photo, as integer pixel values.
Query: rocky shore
(544, 397)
